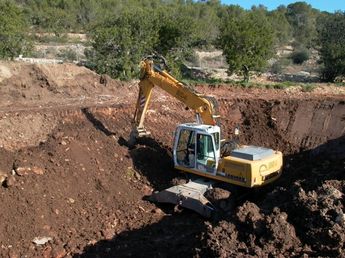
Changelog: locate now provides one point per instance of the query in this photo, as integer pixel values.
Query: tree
(246, 39)
(281, 26)
(13, 40)
(120, 43)
(302, 18)
(332, 42)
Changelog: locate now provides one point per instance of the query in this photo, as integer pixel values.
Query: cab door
(185, 147)
(206, 154)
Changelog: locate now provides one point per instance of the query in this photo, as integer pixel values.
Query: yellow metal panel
(243, 172)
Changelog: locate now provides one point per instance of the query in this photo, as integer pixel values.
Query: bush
(68, 55)
(13, 37)
(332, 41)
(300, 56)
(278, 66)
(246, 39)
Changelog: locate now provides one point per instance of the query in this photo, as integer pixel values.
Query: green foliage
(279, 65)
(120, 42)
(68, 55)
(124, 31)
(246, 39)
(308, 87)
(52, 16)
(299, 56)
(281, 26)
(175, 30)
(332, 41)
(13, 40)
(302, 18)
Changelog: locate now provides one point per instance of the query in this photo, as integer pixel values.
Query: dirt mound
(303, 216)
(76, 188)
(44, 84)
(252, 233)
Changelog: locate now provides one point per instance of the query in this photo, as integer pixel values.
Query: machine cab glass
(197, 150)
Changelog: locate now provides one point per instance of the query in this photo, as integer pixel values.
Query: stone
(137, 175)
(21, 171)
(147, 190)
(10, 181)
(108, 233)
(3, 177)
(71, 200)
(58, 252)
(41, 240)
(340, 219)
(37, 170)
(157, 211)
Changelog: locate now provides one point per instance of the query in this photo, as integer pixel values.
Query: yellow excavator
(198, 148)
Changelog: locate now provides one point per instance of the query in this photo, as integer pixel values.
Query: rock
(58, 252)
(10, 181)
(147, 190)
(22, 171)
(337, 194)
(249, 213)
(137, 175)
(104, 79)
(217, 194)
(47, 252)
(37, 170)
(63, 142)
(70, 200)
(108, 233)
(3, 177)
(157, 211)
(41, 240)
(340, 219)
(303, 73)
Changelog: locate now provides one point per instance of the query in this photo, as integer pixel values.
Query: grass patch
(339, 84)
(308, 87)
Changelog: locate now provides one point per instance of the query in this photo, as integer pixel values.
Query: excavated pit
(69, 176)
(87, 191)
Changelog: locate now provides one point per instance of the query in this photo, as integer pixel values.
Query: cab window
(216, 140)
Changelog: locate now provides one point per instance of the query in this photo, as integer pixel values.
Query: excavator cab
(197, 148)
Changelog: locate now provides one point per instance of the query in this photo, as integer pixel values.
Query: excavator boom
(152, 75)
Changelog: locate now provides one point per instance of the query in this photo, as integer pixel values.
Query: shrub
(299, 56)
(278, 66)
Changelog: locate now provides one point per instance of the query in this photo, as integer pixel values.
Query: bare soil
(68, 175)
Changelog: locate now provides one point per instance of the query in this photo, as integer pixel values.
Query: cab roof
(201, 127)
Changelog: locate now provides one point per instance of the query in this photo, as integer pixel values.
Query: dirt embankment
(25, 86)
(69, 176)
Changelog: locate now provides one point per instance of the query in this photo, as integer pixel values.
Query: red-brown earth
(67, 174)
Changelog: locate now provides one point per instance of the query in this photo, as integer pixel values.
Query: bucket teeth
(190, 196)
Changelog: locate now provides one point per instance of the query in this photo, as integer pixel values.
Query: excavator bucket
(189, 195)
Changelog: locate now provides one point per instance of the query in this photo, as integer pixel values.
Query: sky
(323, 5)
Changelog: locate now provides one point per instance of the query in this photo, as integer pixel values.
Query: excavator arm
(153, 75)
